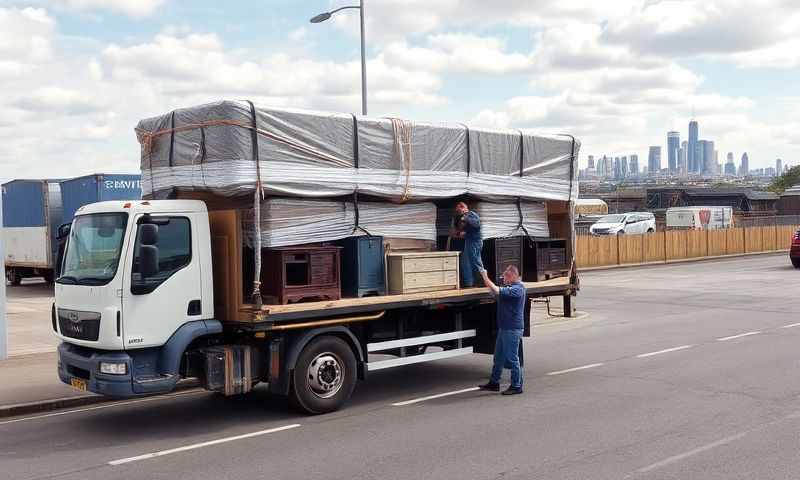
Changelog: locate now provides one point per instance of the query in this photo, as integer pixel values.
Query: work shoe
(490, 386)
(512, 391)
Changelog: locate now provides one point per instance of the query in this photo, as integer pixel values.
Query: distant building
(591, 161)
(769, 172)
(744, 201)
(730, 167)
(744, 167)
(624, 166)
(778, 166)
(654, 160)
(706, 160)
(617, 169)
(693, 152)
(633, 165)
(673, 145)
(684, 166)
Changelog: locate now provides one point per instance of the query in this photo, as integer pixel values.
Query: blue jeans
(506, 354)
(471, 261)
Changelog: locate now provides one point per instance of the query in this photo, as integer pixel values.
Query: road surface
(679, 371)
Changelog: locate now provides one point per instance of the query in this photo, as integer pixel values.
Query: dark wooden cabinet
(544, 259)
(499, 253)
(363, 266)
(294, 274)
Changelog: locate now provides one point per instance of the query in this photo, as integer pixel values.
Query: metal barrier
(769, 221)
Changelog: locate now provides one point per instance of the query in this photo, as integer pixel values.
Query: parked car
(624, 223)
(794, 251)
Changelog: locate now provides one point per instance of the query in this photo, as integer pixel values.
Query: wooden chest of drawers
(545, 259)
(422, 272)
(499, 253)
(362, 266)
(302, 273)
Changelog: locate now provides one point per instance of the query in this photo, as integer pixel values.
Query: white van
(624, 223)
(699, 218)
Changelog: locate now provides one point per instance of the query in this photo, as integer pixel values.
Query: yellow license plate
(78, 383)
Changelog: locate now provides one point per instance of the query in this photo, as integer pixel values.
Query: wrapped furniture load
(228, 147)
(501, 220)
(290, 221)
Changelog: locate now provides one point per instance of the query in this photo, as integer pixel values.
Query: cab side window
(174, 253)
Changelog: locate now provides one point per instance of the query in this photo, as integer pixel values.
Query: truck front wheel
(324, 376)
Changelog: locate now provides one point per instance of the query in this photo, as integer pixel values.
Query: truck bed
(272, 314)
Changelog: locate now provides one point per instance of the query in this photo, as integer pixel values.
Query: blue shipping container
(81, 191)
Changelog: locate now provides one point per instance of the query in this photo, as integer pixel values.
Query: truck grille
(79, 325)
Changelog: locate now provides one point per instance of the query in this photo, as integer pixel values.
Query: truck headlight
(113, 368)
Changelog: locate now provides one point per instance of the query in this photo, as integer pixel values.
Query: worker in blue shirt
(468, 227)
(510, 324)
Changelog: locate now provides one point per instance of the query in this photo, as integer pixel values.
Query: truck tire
(796, 262)
(324, 376)
(13, 277)
(49, 277)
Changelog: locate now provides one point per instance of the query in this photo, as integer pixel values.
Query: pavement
(678, 371)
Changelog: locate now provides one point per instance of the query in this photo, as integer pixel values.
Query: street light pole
(3, 319)
(325, 16)
(363, 63)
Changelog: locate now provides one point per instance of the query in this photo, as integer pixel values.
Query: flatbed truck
(152, 292)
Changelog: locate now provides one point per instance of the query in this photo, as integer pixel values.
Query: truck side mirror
(63, 231)
(148, 260)
(148, 234)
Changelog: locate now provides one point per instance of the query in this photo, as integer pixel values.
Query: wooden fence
(597, 251)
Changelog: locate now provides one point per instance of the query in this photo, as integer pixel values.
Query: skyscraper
(730, 167)
(624, 166)
(778, 166)
(591, 161)
(717, 166)
(744, 167)
(692, 153)
(633, 166)
(683, 167)
(673, 145)
(654, 160)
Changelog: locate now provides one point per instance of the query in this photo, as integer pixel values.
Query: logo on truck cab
(123, 184)
(135, 340)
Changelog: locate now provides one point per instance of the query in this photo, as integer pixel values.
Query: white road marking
(666, 350)
(146, 456)
(677, 458)
(575, 369)
(431, 397)
(100, 407)
(791, 325)
(732, 337)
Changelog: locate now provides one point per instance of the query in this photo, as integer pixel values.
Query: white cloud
(25, 36)
(458, 53)
(133, 8)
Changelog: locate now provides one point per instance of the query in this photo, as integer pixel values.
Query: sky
(77, 75)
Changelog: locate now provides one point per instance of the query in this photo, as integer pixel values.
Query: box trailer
(214, 273)
(98, 187)
(36, 208)
(699, 218)
(32, 212)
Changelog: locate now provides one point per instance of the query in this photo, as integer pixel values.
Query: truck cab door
(162, 287)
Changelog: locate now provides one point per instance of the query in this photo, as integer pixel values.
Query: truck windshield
(93, 249)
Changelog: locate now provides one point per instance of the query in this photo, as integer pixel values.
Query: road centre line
(195, 446)
(107, 405)
(431, 397)
(704, 448)
(791, 325)
(666, 350)
(733, 337)
(575, 369)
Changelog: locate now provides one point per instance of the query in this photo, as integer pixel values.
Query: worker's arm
(493, 289)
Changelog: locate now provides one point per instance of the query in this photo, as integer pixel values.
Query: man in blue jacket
(510, 324)
(468, 227)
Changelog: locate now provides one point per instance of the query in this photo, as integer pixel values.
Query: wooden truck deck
(272, 314)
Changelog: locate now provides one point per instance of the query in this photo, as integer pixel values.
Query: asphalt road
(680, 371)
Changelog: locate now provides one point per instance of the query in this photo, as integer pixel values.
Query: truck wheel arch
(169, 359)
(299, 343)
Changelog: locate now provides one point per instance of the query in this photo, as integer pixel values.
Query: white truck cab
(136, 282)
